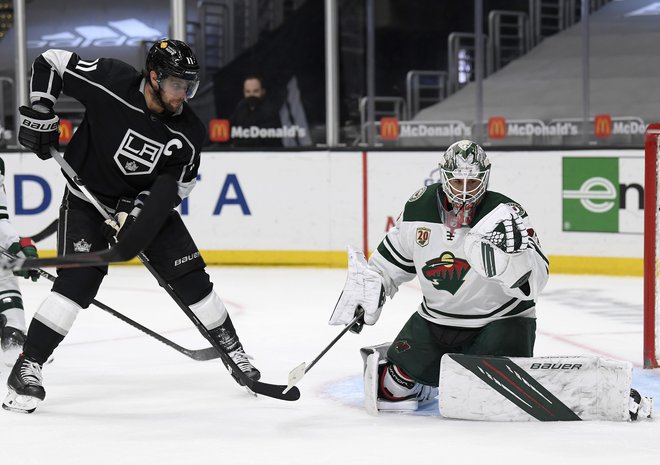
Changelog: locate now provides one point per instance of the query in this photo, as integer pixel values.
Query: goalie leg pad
(474, 387)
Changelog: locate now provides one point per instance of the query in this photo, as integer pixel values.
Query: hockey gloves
(127, 212)
(25, 248)
(114, 229)
(39, 130)
(363, 288)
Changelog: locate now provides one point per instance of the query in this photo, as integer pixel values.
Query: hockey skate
(226, 336)
(25, 388)
(11, 342)
(639, 405)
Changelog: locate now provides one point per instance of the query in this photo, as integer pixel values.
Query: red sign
(497, 127)
(602, 126)
(219, 130)
(389, 128)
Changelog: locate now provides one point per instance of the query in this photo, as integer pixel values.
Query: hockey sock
(41, 342)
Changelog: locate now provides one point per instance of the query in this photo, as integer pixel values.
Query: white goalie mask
(464, 173)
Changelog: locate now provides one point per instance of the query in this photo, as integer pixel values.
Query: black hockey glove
(39, 130)
(25, 248)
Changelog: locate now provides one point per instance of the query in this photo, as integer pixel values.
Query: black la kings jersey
(454, 294)
(121, 146)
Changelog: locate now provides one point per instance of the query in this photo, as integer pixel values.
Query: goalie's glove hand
(39, 130)
(509, 235)
(363, 289)
(25, 248)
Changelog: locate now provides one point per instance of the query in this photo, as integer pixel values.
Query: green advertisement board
(590, 194)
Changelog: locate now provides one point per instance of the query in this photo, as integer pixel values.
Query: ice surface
(116, 396)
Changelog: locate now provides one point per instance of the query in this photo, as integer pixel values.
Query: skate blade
(20, 404)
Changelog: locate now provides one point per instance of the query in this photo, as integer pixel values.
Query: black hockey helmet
(174, 58)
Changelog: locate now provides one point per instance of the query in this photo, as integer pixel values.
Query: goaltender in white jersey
(480, 266)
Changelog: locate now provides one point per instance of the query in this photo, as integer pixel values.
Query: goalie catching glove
(39, 130)
(363, 288)
(496, 247)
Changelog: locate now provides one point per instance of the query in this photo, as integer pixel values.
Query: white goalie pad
(540, 388)
(362, 289)
(372, 358)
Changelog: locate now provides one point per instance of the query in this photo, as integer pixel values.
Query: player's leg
(175, 256)
(12, 318)
(400, 376)
(513, 337)
(74, 289)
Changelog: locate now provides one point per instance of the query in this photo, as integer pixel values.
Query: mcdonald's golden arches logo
(602, 126)
(497, 127)
(66, 131)
(219, 130)
(389, 128)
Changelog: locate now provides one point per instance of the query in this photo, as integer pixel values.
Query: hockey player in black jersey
(136, 127)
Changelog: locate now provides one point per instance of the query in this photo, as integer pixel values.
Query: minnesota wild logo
(446, 272)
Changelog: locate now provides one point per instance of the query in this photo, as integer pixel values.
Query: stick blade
(295, 375)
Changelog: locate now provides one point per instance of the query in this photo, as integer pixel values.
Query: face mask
(253, 102)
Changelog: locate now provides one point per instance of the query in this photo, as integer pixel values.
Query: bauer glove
(39, 130)
(25, 248)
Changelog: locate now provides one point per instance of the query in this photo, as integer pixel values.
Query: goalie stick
(256, 387)
(354, 326)
(208, 353)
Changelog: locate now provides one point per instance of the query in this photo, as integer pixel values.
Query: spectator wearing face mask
(253, 116)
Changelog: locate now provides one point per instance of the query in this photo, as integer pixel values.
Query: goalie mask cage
(651, 248)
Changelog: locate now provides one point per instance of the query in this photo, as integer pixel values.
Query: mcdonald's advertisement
(305, 208)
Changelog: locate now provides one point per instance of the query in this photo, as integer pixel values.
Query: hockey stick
(137, 237)
(208, 353)
(256, 387)
(47, 231)
(355, 325)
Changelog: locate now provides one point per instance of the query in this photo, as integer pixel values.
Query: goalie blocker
(539, 388)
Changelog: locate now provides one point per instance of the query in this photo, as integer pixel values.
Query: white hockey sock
(211, 311)
(15, 318)
(58, 313)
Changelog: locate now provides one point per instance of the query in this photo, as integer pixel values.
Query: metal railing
(424, 88)
(460, 59)
(383, 107)
(510, 37)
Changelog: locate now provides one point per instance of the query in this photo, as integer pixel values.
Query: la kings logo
(138, 154)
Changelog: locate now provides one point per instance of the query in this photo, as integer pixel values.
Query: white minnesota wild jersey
(453, 293)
